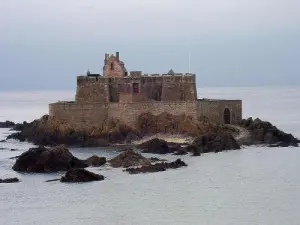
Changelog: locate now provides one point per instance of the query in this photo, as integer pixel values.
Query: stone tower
(113, 66)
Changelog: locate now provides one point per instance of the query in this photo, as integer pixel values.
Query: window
(135, 87)
(112, 66)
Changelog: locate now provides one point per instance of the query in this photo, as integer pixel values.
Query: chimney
(106, 57)
(118, 55)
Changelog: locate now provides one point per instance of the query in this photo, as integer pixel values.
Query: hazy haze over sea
(252, 186)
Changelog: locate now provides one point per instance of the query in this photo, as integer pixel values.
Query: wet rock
(196, 151)
(80, 175)
(7, 124)
(43, 159)
(95, 142)
(155, 159)
(131, 137)
(129, 158)
(214, 143)
(155, 146)
(9, 180)
(265, 133)
(158, 167)
(17, 136)
(95, 161)
(53, 180)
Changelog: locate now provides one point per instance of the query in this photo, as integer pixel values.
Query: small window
(112, 66)
(135, 87)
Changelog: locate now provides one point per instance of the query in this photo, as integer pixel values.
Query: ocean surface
(254, 186)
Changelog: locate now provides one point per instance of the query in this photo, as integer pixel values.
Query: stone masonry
(124, 95)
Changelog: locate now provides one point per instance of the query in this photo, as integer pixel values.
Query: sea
(253, 186)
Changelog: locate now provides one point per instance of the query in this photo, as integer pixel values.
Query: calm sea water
(251, 186)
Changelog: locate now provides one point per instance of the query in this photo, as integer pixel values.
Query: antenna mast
(189, 61)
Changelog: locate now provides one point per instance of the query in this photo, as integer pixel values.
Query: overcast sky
(45, 44)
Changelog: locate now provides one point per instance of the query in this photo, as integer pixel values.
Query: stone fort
(123, 95)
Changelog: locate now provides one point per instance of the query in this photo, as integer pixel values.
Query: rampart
(154, 87)
(85, 116)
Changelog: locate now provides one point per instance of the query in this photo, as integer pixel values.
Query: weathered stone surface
(214, 143)
(95, 161)
(263, 132)
(158, 167)
(42, 159)
(9, 180)
(51, 132)
(155, 146)
(80, 175)
(129, 158)
(7, 124)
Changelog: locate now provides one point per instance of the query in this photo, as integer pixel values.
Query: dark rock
(52, 180)
(15, 157)
(129, 158)
(7, 124)
(263, 132)
(95, 161)
(182, 151)
(81, 175)
(155, 159)
(95, 142)
(158, 167)
(2, 141)
(2, 148)
(13, 149)
(9, 180)
(42, 159)
(195, 150)
(155, 146)
(131, 137)
(17, 136)
(214, 143)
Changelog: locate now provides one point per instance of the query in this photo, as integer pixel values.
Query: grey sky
(46, 44)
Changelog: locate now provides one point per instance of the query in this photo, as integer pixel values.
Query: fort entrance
(227, 116)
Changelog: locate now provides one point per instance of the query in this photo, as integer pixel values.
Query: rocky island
(121, 107)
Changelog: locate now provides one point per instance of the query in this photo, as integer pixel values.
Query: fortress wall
(214, 110)
(98, 89)
(85, 116)
(179, 88)
(92, 89)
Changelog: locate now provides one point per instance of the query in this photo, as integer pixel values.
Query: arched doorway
(227, 119)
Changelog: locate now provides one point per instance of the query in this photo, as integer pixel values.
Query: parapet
(165, 74)
(136, 74)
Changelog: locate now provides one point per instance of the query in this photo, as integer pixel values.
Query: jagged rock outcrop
(7, 124)
(9, 180)
(166, 123)
(154, 146)
(214, 143)
(95, 161)
(129, 158)
(158, 167)
(50, 132)
(43, 159)
(264, 133)
(80, 175)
